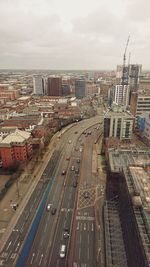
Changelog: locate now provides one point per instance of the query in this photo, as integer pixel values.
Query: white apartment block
(121, 95)
(118, 124)
(38, 85)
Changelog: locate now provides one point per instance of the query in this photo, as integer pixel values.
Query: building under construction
(127, 208)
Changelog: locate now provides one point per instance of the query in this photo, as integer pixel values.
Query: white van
(62, 252)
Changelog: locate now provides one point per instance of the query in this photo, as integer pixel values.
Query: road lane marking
(79, 253)
(84, 226)
(88, 239)
(13, 255)
(88, 253)
(88, 227)
(8, 255)
(33, 255)
(92, 227)
(81, 226)
(41, 258)
(80, 239)
(4, 255)
(45, 227)
(78, 226)
(57, 263)
(85, 218)
(17, 246)
(8, 245)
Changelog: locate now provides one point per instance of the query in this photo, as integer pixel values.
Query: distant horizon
(36, 69)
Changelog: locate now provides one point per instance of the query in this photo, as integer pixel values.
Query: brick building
(15, 148)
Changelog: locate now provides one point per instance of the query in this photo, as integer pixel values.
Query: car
(63, 172)
(78, 160)
(66, 234)
(74, 184)
(86, 194)
(77, 170)
(53, 211)
(75, 132)
(67, 158)
(72, 168)
(62, 252)
(69, 141)
(48, 207)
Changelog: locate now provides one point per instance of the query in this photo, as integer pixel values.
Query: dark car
(74, 184)
(53, 211)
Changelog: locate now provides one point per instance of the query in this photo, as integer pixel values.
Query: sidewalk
(26, 183)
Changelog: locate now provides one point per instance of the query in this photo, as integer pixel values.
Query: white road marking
(4, 255)
(17, 246)
(88, 239)
(78, 226)
(81, 226)
(45, 227)
(33, 255)
(41, 258)
(88, 253)
(1, 262)
(92, 227)
(8, 245)
(88, 227)
(13, 255)
(80, 238)
(57, 263)
(84, 226)
(79, 253)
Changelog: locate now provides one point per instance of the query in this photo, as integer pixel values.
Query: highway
(15, 241)
(83, 250)
(63, 195)
(45, 250)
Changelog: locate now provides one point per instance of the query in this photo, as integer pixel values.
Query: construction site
(127, 208)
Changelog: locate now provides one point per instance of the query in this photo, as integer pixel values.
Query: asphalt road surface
(45, 250)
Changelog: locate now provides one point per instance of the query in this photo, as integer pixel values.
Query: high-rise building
(121, 95)
(54, 86)
(80, 88)
(140, 104)
(132, 73)
(38, 85)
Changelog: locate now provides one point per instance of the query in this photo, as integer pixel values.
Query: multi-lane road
(73, 197)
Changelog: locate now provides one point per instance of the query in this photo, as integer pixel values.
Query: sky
(79, 34)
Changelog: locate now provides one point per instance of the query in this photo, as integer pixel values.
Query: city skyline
(73, 35)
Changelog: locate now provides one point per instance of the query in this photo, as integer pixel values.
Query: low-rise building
(118, 124)
(15, 148)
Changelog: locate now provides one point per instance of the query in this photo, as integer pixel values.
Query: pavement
(26, 184)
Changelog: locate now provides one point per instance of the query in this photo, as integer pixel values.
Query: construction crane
(125, 69)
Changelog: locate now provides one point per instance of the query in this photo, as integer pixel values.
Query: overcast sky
(79, 34)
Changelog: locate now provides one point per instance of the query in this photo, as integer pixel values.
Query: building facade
(54, 86)
(80, 88)
(38, 85)
(118, 124)
(121, 95)
(15, 148)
